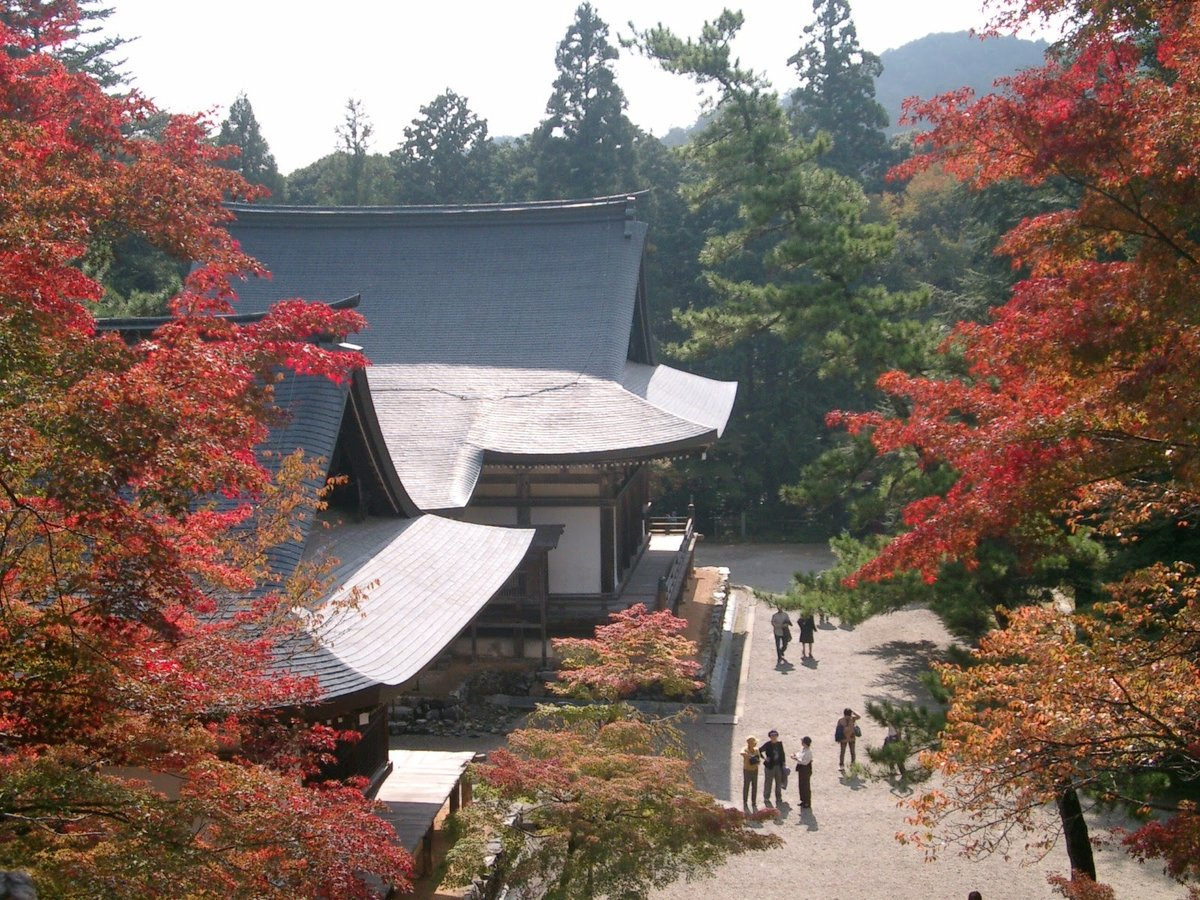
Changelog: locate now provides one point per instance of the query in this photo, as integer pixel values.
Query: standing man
(847, 731)
(774, 762)
(804, 771)
(781, 624)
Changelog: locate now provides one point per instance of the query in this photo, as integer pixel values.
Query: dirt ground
(845, 846)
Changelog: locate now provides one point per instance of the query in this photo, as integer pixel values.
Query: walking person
(774, 761)
(781, 624)
(845, 733)
(808, 629)
(804, 771)
(750, 766)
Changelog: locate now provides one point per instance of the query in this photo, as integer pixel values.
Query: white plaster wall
(575, 562)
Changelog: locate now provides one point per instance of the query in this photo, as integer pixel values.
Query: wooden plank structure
(658, 579)
(420, 784)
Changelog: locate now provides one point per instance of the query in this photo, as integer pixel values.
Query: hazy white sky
(298, 61)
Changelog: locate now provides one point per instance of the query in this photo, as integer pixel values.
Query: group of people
(771, 759)
(781, 624)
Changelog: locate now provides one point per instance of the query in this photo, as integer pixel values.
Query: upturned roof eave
(697, 443)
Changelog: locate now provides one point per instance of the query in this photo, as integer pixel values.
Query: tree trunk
(1075, 830)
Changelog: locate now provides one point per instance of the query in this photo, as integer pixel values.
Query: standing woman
(808, 628)
(804, 771)
(845, 733)
(750, 767)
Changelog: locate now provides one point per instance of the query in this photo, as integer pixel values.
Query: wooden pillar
(524, 502)
(607, 550)
(542, 577)
(425, 854)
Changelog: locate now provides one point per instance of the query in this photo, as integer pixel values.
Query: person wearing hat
(774, 766)
(804, 771)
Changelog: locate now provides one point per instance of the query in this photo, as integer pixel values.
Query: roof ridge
(616, 206)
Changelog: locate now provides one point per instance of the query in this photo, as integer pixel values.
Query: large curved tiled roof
(503, 333)
(422, 582)
(423, 578)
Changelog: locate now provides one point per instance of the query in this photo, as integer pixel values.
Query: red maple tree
(637, 650)
(597, 800)
(141, 740)
(1079, 407)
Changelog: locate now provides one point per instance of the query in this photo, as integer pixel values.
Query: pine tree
(796, 314)
(64, 29)
(446, 156)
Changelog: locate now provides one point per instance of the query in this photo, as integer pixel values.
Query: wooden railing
(669, 524)
(681, 565)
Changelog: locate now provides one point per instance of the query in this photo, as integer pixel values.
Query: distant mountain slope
(942, 62)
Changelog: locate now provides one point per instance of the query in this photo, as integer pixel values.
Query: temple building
(513, 377)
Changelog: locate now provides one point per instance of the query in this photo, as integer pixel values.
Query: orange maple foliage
(114, 556)
(1088, 701)
(1079, 405)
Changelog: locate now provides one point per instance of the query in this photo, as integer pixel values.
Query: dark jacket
(773, 754)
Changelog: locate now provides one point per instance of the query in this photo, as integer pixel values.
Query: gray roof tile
(494, 332)
(424, 579)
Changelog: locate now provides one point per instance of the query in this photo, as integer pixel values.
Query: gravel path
(844, 847)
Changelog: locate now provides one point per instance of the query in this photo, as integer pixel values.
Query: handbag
(783, 777)
(838, 734)
(857, 731)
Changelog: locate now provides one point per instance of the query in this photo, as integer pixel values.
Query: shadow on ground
(907, 662)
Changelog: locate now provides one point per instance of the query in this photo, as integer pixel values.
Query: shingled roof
(424, 577)
(422, 580)
(508, 333)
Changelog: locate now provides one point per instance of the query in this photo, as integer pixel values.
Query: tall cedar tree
(114, 660)
(253, 159)
(446, 156)
(836, 96)
(1078, 405)
(586, 145)
(796, 315)
(597, 800)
